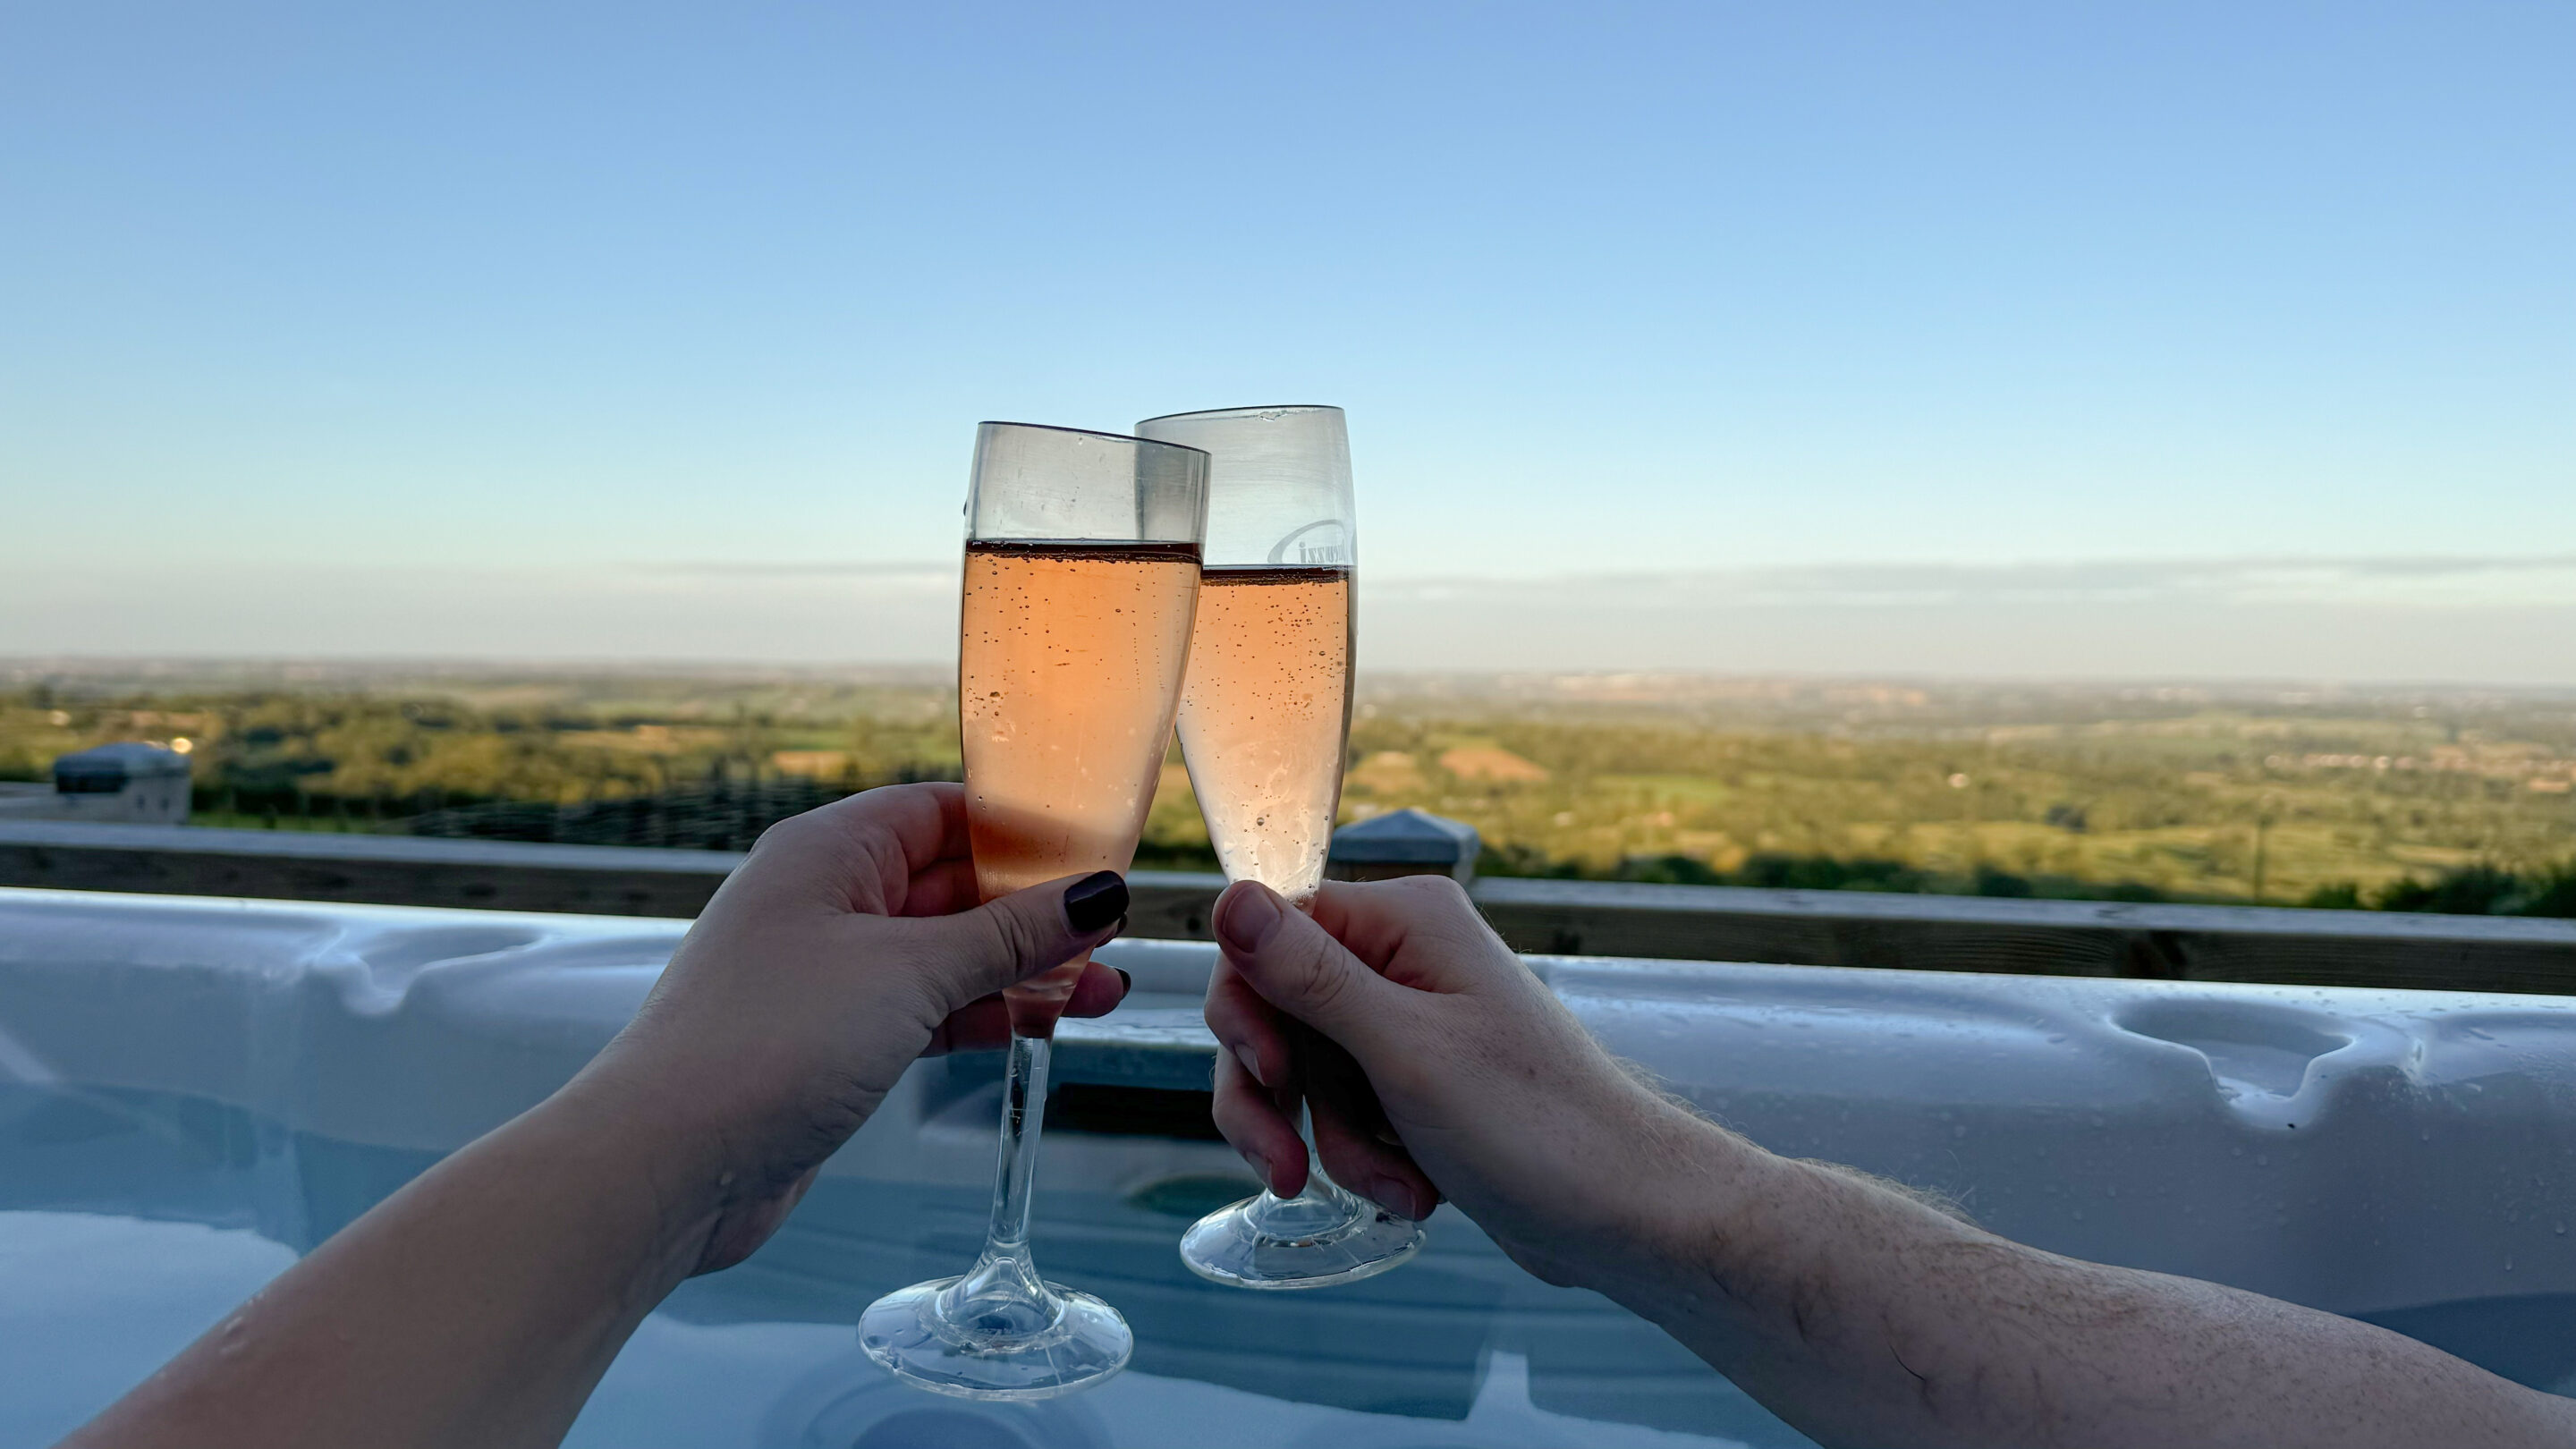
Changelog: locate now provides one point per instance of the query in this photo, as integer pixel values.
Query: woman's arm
(480, 1304)
(1851, 1310)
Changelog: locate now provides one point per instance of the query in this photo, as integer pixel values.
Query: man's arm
(1851, 1310)
(1867, 1317)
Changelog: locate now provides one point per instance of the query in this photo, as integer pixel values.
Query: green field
(2179, 793)
(2191, 793)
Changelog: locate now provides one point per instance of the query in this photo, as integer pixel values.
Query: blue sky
(1606, 288)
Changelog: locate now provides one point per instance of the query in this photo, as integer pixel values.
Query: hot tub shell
(2375, 1153)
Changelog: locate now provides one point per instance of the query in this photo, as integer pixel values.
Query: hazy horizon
(2392, 621)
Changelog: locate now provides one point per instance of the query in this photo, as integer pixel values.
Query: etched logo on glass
(1324, 543)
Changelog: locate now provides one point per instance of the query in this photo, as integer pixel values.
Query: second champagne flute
(1082, 578)
(1265, 718)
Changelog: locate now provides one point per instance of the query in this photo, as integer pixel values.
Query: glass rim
(1090, 433)
(1229, 412)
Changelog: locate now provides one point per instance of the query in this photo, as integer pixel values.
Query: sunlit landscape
(2429, 799)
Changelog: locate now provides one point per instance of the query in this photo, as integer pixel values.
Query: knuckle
(912, 970)
(1320, 985)
(1232, 1116)
(1224, 1017)
(1438, 889)
(785, 835)
(914, 947)
(1013, 943)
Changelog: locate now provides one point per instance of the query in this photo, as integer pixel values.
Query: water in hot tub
(130, 1222)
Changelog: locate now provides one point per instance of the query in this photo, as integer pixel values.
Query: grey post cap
(1405, 837)
(125, 760)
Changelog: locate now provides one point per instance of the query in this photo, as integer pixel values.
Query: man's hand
(1858, 1314)
(1442, 1067)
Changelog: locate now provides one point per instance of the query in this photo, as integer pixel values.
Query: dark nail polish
(1126, 983)
(1096, 900)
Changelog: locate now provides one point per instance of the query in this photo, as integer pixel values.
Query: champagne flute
(1082, 576)
(1265, 718)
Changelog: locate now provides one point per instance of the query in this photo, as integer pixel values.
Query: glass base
(988, 1346)
(1313, 1240)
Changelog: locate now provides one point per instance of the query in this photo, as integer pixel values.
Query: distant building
(124, 784)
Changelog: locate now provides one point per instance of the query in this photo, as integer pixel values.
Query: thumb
(1298, 967)
(1008, 940)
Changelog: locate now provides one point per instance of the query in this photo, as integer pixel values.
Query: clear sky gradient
(568, 292)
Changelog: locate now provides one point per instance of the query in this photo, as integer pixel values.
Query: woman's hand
(480, 1304)
(849, 944)
(1443, 1067)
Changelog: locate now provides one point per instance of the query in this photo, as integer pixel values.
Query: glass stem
(1024, 1089)
(1318, 1185)
(1003, 1295)
(1321, 1208)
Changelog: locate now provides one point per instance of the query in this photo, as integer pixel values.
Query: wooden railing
(1707, 923)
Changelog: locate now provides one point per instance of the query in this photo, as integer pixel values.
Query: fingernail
(1094, 901)
(1126, 983)
(1251, 1062)
(1250, 916)
(1394, 1196)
